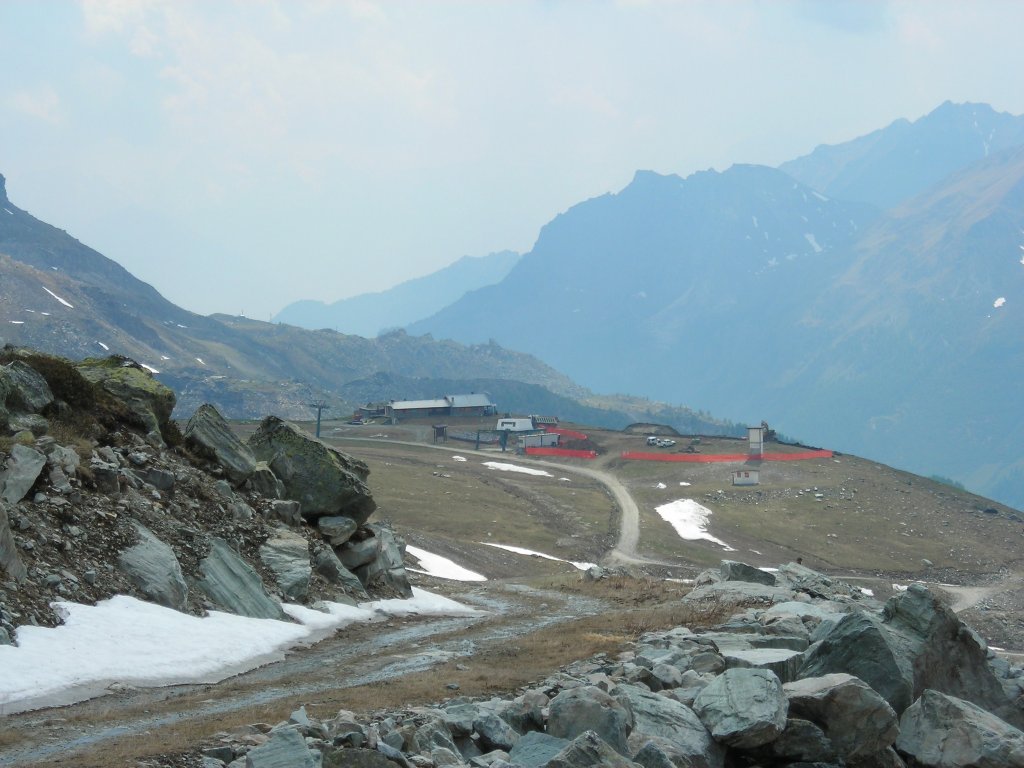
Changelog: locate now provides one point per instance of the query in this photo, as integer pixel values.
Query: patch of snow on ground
(442, 567)
(516, 468)
(157, 646)
(458, 458)
(149, 368)
(58, 298)
(866, 591)
(181, 326)
(9, 211)
(999, 302)
(565, 480)
(661, 486)
(690, 521)
(17, 322)
(531, 553)
(899, 588)
(164, 357)
(103, 345)
(813, 241)
(200, 361)
(819, 196)
(683, 483)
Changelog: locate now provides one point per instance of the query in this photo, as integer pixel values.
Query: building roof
(410, 405)
(470, 401)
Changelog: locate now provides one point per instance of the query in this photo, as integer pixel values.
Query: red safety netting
(570, 434)
(718, 458)
(537, 451)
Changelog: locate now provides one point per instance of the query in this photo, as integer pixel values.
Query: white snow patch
(766, 569)
(564, 480)
(45, 314)
(181, 326)
(866, 591)
(149, 368)
(105, 347)
(660, 486)
(17, 322)
(999, 302)
(531, 553)
(819, 196)
(690, 521)
(200, 361)
(128, 641)
(683, 483)
(458, 458)
(516, 468)
(31, 310)
(58, 298)
(164, 357)
(899, 587)
(9, 211)
(442, 567)
(813, 241)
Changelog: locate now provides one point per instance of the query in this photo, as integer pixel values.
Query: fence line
(721, 458)
(545, 451)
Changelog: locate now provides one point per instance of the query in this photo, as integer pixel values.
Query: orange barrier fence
(719, 458)
(569, 434)
(537, 451)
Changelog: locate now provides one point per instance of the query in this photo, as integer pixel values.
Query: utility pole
(320, 405)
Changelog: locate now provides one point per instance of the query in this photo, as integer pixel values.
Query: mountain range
(370, 313)
(885, 323)
(60, 296)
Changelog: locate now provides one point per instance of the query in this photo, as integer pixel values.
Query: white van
(652, 439)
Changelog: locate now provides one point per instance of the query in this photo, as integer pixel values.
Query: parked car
(652, 440)
(666, 443)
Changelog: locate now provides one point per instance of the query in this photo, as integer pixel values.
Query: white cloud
(41, 103)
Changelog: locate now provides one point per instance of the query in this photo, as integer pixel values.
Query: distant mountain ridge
(902, 160)
(369, 313)
(889, 333)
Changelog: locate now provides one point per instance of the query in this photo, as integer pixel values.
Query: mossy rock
(148, 402)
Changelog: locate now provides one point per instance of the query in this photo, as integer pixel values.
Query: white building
(746, 477)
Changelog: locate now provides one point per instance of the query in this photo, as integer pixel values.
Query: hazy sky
(242, 155)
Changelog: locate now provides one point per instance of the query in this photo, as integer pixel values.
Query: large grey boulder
(26, 389)
(587, 708)
(940, 731)
(739, 592)
(946, 654)
(535, 749)
(325, 480)
(233, 586)
(671, 725)
(855, 718)
(10, 560)
(286, 553)
(589, 749)
(23, 468)
(208, 434)
(860, 645)
(732, 570)
(152, 566)
(743, 708)
(286, 748)
(148, 401)
(337, 529)
(265, 482)
(494, 732)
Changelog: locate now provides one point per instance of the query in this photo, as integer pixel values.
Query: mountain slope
(895, 163)
(623, 290)
(60, 296)
(369, 313)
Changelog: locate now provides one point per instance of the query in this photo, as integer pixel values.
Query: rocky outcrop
(940, 731)
(286, 553)
(146, 401)
(208, 434)
(23, 389)
(233, 585)
(23, 468)
(323, 479)
(10, 561)
(374, 555)
(743, 708)
(153, 568)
